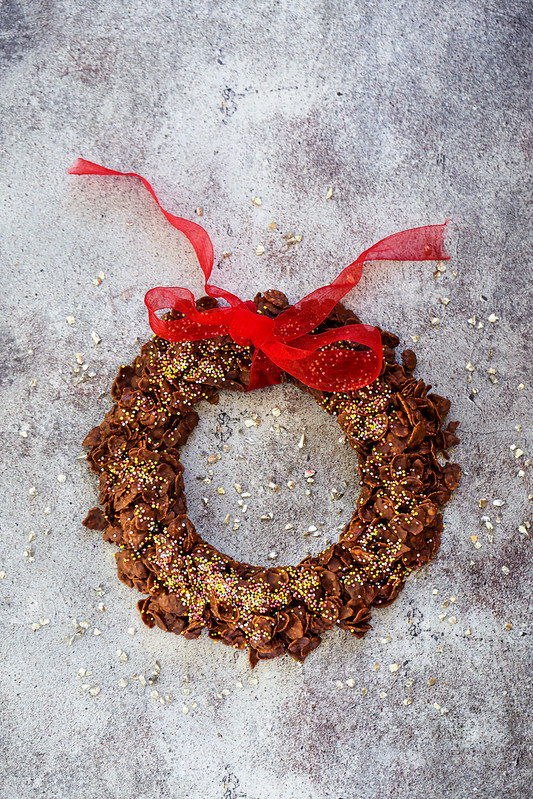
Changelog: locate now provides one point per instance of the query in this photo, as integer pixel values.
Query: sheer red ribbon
(284, 343)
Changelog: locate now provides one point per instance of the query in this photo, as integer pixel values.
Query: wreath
(389, 418)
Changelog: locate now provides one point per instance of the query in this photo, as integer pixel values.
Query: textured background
(411, 112)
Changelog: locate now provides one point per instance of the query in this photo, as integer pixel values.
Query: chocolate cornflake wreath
(393, 423)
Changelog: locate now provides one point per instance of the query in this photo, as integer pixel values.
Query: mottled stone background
(411, 112)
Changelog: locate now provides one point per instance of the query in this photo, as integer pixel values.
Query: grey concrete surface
(410, 112)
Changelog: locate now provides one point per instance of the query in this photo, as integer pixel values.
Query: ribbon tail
(195, 233)
(264, 372)
(417, 244)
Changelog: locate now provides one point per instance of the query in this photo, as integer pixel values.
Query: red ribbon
(283, 343)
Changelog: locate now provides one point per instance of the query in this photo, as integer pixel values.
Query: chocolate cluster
(396, 427)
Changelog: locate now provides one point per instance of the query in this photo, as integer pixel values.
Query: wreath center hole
(250, 473)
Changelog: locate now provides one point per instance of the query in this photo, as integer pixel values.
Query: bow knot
(286, 343)
(247, 327)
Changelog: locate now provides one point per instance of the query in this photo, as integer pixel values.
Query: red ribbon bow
(283, 343)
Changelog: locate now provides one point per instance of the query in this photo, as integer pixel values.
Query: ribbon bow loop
(287, 343)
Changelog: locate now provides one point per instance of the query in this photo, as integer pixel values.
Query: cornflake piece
(259, 250)
(276, 412)
(96, 631)
(95, 337)
(35, 626)
(2, 575)
(445, 301)
(221, 490)
(94, 691)
(339, 684)
(61, 478)
(434, 320)
(520, 386)
(122, 683)
(498, 503)
(24, 432)
(291, 484)
(289, 526)
(226, 253)
(394, 667)
(309, 473)
(493, 317)
(470, 367)
(468, 631)
(70, 320)
(382, 694)
(472, 321)
(257, 201)
(432, 681)
(508, 625)
(506, 570)
(301, 442)
(238, 488)
(132, 631)
(199, 211)
(350, 683)
(329, 193)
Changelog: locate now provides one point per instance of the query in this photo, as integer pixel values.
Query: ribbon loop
(330, 369)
